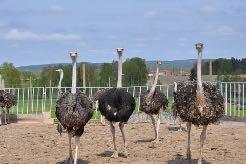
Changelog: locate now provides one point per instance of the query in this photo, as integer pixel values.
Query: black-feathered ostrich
(74, 110)
(7, 100)
(59, 93)
(199, 104)
(152, 101)
(117, 105)
(175, 113)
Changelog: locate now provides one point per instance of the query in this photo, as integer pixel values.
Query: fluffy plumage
(74, 111)
(157, 102)
(7, 100)
(185, 104)
(116, 104)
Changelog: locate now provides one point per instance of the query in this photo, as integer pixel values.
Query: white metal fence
(42, 99)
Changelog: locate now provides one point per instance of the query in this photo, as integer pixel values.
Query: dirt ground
(40, 143)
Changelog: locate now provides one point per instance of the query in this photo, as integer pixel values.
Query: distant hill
(181, 64)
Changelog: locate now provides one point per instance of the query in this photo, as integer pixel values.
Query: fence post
(230, 99)
(37, 100)
(226, 99)
(140, 90)
(243, 100)
(234, 99)
(18, 99)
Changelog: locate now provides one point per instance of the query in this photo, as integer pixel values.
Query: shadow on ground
(181, 160)
(109, 154)
(177, 129)
(80, 161)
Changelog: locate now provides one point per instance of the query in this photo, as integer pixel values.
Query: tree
(10, 74)
(107, 74)
(135, 72)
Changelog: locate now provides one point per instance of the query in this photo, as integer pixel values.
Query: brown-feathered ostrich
(152, 101)
(198, 103)
(117, 105)
(7, 100)
(74, 110)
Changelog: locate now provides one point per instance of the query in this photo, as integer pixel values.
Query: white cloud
(220, 31)
(150, 14)
(56, 8)
(209, 10)
(16, 34)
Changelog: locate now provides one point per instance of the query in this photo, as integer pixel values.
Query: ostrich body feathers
(185, 104)
(157, 102)
(116, 105)
(7, 100)
(74, 111)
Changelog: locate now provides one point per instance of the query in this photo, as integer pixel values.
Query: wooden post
(210, 68)
(84, 80)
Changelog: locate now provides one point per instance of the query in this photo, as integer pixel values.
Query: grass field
(37, 106)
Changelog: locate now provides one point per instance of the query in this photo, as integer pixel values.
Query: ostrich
(7, 100)
(117, 105)
(74, 110)
(175, 114)
(152, 101)
(59, 93)
(198, 103)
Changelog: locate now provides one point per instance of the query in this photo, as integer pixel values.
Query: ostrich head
(158, 63)
(59, 70)
(199, 47)
(73, 55)
(120, 51)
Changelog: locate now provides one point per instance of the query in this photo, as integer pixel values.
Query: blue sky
(41, 32)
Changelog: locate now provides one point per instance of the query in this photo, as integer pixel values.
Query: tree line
(135, 72)
(226, 69)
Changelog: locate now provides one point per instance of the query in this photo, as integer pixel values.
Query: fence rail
(43, 99)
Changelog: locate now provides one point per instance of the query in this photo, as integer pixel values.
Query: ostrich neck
(74, 77)
(152, 90)
(175, 87)
(61, 77)
(119, 82)
(199, 73)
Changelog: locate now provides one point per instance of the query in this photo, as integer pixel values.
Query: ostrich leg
(202, 139)
(70, 158)
(7, 111)
(153, 122)
(77, 139)
(188, 146)
(158, 127)
(121, 125)
(1, 113)
(5, 116)
(112, 129)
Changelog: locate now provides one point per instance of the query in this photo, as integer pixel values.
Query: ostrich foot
(70, 160)
(115, 155)
(156, 140)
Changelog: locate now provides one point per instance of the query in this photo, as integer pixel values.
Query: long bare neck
(3, 84)
(59, 84)
(74, 77)
(152, 90)
(119, 82)
(199, 73)
(175, 87)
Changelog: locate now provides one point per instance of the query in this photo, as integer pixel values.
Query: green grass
(234, 112)
(25, 107)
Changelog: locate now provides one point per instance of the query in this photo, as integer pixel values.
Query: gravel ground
(32, 142)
